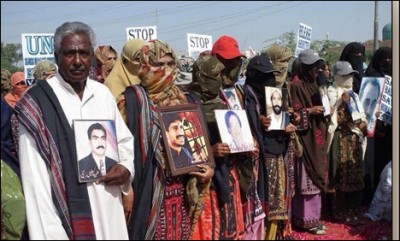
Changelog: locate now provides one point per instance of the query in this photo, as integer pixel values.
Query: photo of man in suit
(96, 164)
(181, 156)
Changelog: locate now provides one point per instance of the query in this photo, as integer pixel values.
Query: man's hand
(117, 175)
(265, 122)
(204, 174)
(127, 201)
(221, 150)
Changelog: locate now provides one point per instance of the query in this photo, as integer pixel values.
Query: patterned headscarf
(207, 79)
(126, 69)
(280, 56)
(44, 69)
(5, 82)
(158, 81)
(104, 66)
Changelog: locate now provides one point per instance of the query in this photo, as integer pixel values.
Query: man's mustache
(81, 68)
(100, 147)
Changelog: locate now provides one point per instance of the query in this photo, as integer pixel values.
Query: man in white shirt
(58, 206)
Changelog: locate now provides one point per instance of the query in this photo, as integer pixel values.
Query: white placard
(144, 33)
(198, 43)
(36, 47)
(303, 38)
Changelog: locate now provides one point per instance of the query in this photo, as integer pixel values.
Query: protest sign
(144, 33)
(385, 108)
(198, 43)
(36, 47)
(303, 39)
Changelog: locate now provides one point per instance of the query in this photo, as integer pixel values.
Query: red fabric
(381, 230)
(208, 224)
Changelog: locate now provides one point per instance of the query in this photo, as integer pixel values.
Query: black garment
(88, 165)
(8, 148)
(356, 61)
(381, 65)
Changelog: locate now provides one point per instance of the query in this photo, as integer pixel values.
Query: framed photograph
(185, 137)
(276, 100)
(96, 148)
(232, 98)
(370, 97)
(234, 130)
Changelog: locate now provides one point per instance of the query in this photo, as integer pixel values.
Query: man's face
(369, 100)
(175, 134)
(276, 101)
(74, 58)
(98, 142)
(234, 126)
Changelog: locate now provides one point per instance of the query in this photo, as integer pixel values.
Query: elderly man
(58, 206)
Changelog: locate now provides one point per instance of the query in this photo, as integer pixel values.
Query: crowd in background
(316, 162)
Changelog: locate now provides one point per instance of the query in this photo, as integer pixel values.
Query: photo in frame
(370, 97)
(234, 130)
(276, 100)
(232, 98)
(96, 148)
(185, 137)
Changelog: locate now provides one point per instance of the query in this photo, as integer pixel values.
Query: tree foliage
(288, 39)
(10, 56)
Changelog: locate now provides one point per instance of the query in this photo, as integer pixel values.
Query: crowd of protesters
(316, 162)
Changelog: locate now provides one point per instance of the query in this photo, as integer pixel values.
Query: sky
(252, 23)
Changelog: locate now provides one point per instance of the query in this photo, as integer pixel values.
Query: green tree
(288, 39)
(10, 56)
(330, 50)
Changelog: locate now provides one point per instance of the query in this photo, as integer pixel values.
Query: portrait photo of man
(96, 164)
(235, 130)
(181, 155)
(279, 117)
(370, 92)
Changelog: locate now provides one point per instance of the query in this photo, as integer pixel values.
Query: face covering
(344, 81)
(230, 77)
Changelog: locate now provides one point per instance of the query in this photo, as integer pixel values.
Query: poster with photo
(353, 107)
(96, 148)
(232, 98)
(277, 107)
(370, 97)
(234, 130)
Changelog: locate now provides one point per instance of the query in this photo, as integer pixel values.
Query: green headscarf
(280, 56)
